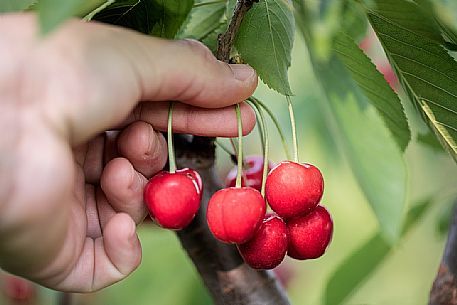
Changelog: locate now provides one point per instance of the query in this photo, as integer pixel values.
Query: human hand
(67, 219)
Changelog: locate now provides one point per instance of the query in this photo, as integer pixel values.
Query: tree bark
(223, 271)
(444, 289)
(228, 279)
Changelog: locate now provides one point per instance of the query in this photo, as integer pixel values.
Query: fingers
(194, 120)
(145, 148)
(93, 160)
(97, 74)
(187, 71)
(123, 187)
(119, 252)
(105, 260)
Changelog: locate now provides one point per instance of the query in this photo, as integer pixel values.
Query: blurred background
(402, 275)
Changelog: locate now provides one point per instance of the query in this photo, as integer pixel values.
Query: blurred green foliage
(330, 109)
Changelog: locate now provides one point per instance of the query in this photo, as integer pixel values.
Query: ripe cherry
(235, 214)
(172, 199)
(18, 290)
(310, 235)
(194, 174)
(268, 247)
(252, 173)
(293, 189)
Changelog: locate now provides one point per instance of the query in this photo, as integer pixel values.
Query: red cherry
(172, 199)
(268, 247)
(235, 214)
(194, 174)
(310, 235)
(293, 189)
(252, 173)
(18, 290)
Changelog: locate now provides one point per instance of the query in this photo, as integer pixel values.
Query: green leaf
(7, 6)
(362, 263)
(375, 87)
(204, 20)
(409, 16)
(53, 13)
(428, 139)
(355, 269)
(448, 30)
(371, 151)
(205, 23)
(161, 18)
(426, 70)
(265, 41)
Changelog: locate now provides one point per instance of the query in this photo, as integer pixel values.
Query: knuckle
(199, 49)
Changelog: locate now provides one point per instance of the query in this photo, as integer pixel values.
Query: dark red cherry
(268, 247)
(310, 235)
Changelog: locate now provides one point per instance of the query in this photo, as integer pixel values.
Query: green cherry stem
(240, 146)
(224, 147)
(275, 122)
(235, 149)
(171, 153)
(294, 128)
(256, 109)
(266, 145)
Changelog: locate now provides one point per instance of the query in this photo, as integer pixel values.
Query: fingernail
(242, 72)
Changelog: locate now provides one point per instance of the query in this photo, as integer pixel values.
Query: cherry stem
(275, 122)
(294, 128)
(171, 153)
(240, 146)
(225, 148)
(265, 142)
(235, 149)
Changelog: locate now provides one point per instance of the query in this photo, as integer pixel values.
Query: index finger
(92, 75)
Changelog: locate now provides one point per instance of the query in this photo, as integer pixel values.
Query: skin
(70, 192)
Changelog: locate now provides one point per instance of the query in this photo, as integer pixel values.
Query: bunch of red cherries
(299, 226)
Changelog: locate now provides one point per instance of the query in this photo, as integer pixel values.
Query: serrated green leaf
(161, 18)
(371, 151)
(7, 6)
(425, 69)
(53, 13)
(375, 87)
(359, 131)
(265, 41)
(448, 30)
(362, 263)
(409, 16)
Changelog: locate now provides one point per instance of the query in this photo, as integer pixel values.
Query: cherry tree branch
(444, 289)
(226, 40)
(223, 271)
